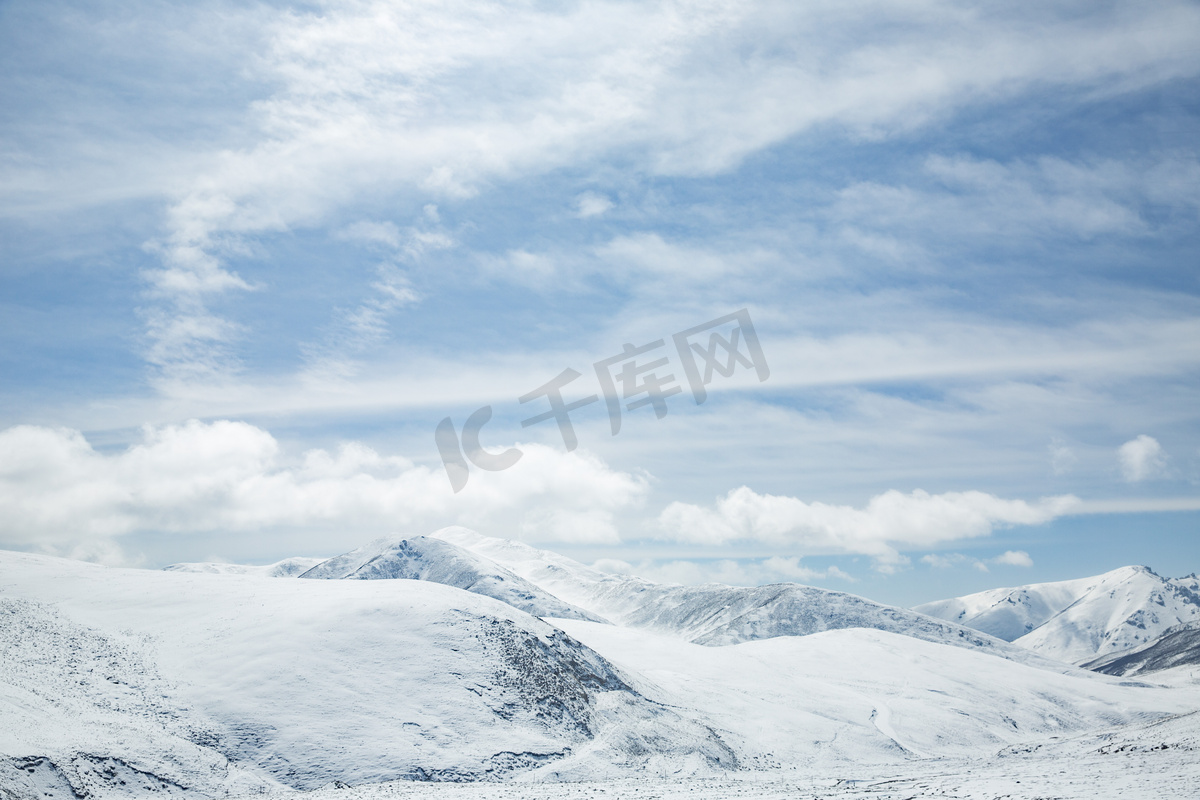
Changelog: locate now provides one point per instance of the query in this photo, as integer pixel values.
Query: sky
(252, 255)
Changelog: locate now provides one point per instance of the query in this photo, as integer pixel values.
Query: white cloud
(384, 233)
(1014, 558)
(1009, 558)
(1141, 459)
(890, 522)
(962, 198)
(949, 560)
(731, 572)
(437, 99)
(591, 204)
(58, 492)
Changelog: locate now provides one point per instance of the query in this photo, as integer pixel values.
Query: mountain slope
(1178, 647)
(866, 695)
(1078, 620)
(306, 682)
(87, 713)
(287, 568)
(425, 559)
(212, 684)
(714, 614)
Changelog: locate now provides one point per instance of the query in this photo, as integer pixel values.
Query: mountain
(425, 559)
(862, 693)
(119, 683)
(1078, 620)
(209, 685)
(287, 568)
(1178, 647)
(714, 614)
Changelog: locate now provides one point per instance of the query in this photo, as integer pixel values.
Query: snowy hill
(1178, 647)
(1078, 620)
(715, 614)
(116, 683)
(211, 683)
(287, 568)
(424, 559)
(874, 694)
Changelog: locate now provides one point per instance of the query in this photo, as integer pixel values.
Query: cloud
(1141, 459)
(355, 330)
(949, 560)
(591, 204)
(1014, 558)
(890, 522)
(369, 232)
(961, 201)
(57, 492)
(433, 99)
(1009, 558)
(731, 572)
(1062, 457)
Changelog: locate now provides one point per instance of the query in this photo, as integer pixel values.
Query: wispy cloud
(731, 572)
(1009, 558)
(377, 98)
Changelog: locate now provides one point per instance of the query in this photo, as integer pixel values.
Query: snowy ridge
(1078, 620)
(305, 682)
(425, 559)
(69, 694)
(287, 568)
(715, 614)
(116, 683)
(1178, 647)
(864, 695)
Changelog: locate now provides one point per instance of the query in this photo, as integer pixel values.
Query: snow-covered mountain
(1178, 647)
(216, 684)
(287, 568)
(1078, 620)
(714, 614)
(117, 682)
(428, 559)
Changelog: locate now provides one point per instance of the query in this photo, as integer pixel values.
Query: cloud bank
(890, 522)
(58, 493)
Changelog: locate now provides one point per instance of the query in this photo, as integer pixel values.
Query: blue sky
(253, 254)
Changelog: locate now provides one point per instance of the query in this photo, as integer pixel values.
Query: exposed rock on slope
(1178, 647)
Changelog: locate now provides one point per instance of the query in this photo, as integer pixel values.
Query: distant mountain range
(1079, 621)
(460, 657)
(1083, 621)
(546, 584)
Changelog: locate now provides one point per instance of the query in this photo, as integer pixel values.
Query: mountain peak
(437, 560)
(1081, 619)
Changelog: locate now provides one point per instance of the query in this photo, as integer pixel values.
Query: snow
(117, 683)
(869, 696)
(1078, 620)
(287, 568)
(304, 682)
(427, 559)
(715, 614)
(1178, 647)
